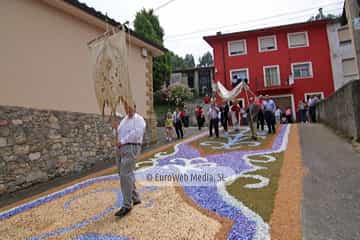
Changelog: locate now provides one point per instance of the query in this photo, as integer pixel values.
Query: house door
(204, 82)
(283, 102)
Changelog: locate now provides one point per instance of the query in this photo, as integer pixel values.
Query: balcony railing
(283, 84)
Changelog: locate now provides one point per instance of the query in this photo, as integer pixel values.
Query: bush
(179, 93)
(174, 95)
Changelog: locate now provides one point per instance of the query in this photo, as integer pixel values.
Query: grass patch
(260, 200)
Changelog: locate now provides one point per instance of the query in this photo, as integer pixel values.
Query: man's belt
(134, 144)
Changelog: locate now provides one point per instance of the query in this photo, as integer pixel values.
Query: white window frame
(240, 69)
(295, 33)
(239, 54)
(278, 72)
(313, 93)
(267, 50)
(298, 63)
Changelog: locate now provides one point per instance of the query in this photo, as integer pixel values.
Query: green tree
(189, 61)
(148, 25)
(206, 60)
(177, 63)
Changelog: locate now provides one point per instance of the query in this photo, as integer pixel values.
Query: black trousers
(289, 119)
(270, 121)
(214, 123)
(200, 122)
(178, 130)
(260, 120)
(312, 113)
(225, 122)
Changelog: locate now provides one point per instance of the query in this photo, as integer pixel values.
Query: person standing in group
(177, 124)
(278, 114)
(130, 134)
(260, 117)
(302, 111)
(269, 113)
(213, 115)
(243, 116)
(312, 108)
(169, 126)
(235, 109)
(200, 117)
(288, 115)
(225, 117)
(230, 115)
(253, 111)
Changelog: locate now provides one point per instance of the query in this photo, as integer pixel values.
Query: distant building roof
(264, 30)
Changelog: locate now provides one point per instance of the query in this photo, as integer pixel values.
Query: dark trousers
(214, 123)
(303, 115)
(178, 130)
(312, 113)
(225, 122)
(270, 121)
(200, 122)
(289, 119)
(260, 120)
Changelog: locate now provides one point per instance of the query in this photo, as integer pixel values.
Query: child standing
(169, 126)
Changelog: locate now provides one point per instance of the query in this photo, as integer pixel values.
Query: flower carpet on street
(200, 188)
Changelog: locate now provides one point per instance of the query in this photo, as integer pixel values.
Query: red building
(289, 63)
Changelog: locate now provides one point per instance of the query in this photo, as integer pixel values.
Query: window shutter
(297, 40)
(344, 35)
(237, 47)
(267, 43)
(349, 66)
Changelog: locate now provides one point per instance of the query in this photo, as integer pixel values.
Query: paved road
(331, 204)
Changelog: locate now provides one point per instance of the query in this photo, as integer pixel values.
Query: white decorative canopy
(232, 94)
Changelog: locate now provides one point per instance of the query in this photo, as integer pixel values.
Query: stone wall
(341, 110)
(38, 145)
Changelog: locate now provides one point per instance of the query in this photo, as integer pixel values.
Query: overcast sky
(185, 22)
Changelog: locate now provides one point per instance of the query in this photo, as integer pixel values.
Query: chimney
(218, 33)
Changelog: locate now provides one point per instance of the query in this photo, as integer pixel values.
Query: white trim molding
(267, 50)
(299, 63)
(295, 33)
(240, 69)
(278, 72)
(313, 93)
(238, 54)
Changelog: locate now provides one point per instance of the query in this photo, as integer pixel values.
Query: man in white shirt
(213, 115)
(130, 134)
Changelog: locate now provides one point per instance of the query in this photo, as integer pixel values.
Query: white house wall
(338, 53)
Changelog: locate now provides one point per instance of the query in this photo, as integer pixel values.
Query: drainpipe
(223, 58)
(224, 63)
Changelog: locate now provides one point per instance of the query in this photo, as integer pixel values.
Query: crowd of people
(130, 130)
(261, 110)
